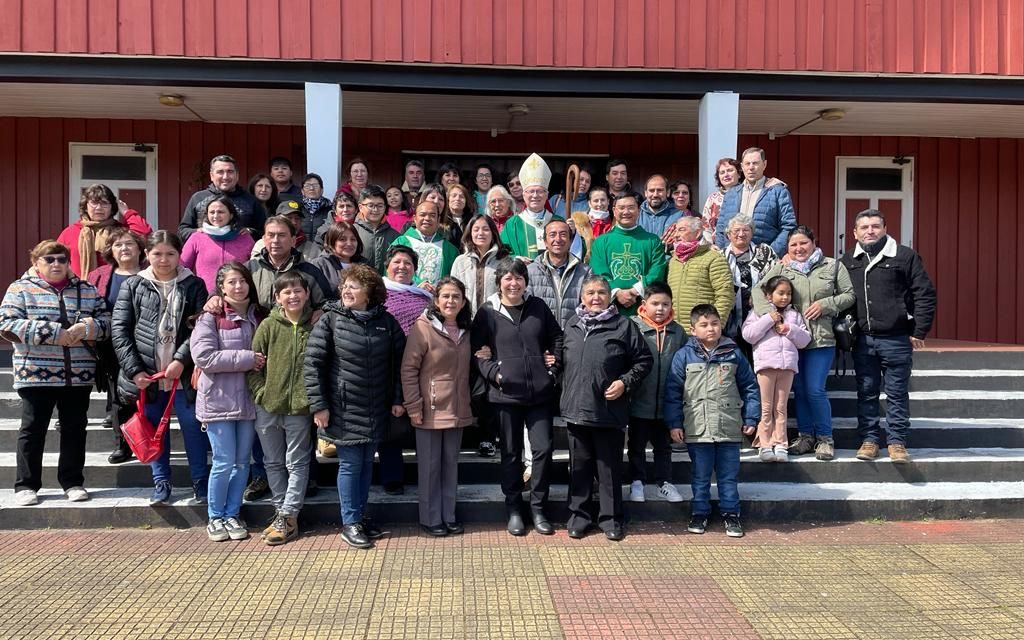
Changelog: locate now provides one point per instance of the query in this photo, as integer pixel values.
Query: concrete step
(1007, 357)
(945, 380)
(761, 502)
(929, 465)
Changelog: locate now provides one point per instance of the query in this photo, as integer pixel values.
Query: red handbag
(145, 440)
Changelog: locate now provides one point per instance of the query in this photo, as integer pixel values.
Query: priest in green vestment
(436, 255)
(523, 234)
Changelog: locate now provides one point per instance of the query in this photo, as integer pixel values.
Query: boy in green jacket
(283, 422)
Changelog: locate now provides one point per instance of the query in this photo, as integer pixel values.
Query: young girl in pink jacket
(777, 337)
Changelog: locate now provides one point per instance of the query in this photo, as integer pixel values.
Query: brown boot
(898, 454)
(824, 448)
(281, 530)
(801, 444)
(867, 451)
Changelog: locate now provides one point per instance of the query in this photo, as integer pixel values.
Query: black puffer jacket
(613, 350)
(352, 369)
(134, 334)
(517, 351)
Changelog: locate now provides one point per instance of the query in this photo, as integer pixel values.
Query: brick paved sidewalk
(912, 580)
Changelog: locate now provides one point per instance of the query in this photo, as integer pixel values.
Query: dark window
(114, 167)
(870, 179)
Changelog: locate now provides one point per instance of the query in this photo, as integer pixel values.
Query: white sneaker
(26, 498)
(636, 492)
(766, 454)
(77, 494)
(781, 453)
(668, 491)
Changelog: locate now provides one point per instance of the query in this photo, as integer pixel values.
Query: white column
(323, 133)
(717, 134)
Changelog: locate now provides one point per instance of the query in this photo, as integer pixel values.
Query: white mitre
(534, 172)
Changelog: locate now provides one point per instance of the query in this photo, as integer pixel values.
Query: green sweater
(436, 255)
(627, 256)
(278, 388)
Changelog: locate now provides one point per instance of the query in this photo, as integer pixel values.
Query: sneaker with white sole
(668, 491)
(26, 498)
(733, 527)
(216, 531)
(781, 453)
(77, 494)
(766, 454)
(236, 528)
(636, 492)
(698, 523)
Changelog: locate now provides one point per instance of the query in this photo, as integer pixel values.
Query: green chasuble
(436, 255)
(627, 256)
(522, 237)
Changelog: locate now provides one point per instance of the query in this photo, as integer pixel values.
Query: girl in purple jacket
(777, 337)
(222, 351)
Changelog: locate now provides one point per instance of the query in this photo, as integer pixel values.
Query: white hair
(740, 220)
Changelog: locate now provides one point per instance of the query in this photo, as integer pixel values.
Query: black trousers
(37, 406)
(538, 422)
(644, 430)
(119, 414)
(595, 450)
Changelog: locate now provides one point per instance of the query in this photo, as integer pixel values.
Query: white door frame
(905, 195)
(76, 183)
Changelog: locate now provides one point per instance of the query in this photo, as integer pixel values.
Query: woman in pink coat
(777, 337)
(220, 240)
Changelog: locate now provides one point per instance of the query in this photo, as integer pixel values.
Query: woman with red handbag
(152, 322)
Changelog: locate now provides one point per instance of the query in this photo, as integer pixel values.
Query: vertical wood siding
(876, 36)
(968, 194)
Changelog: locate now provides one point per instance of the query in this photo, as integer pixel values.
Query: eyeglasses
(514, 184)
(373, 207)
(59, 259)
(99, 203)
(310, 187)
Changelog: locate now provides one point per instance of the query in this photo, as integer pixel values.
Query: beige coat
(435, 376)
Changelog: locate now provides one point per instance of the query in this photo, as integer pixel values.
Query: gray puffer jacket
(562, 294)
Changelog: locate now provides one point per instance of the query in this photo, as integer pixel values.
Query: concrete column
(323, 134)
(717, 134)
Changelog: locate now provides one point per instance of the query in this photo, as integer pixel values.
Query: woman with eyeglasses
(515, 188)
(54, 319)
(316, 209)
(99, 213)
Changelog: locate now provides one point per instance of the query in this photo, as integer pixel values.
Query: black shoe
(698, 523)
(354, 536)
(394, 488)
(542, 525)
(120, 455)
(437, 530)
(312, 488)
(616, 533)
(487, 449)
(200, 494)
(733, 528)
(108, 423)
(516, 526)
(372, 531)
(257, 489)
(578, 533)
(455, 528)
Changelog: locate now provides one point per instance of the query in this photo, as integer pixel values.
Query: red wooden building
(932, 93)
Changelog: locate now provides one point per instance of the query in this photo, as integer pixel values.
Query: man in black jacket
(223, 181)
(895, 309)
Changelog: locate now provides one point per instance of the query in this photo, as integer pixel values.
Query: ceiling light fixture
(177, 100)
(825, 115)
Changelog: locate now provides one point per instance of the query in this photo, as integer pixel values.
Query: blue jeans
(355, 469)
(232, 446)
(813, 410)
(724, 459)
(883, 361)
(196, 442)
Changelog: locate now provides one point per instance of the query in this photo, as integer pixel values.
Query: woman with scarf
(500, 206)
(220, 239)
(87, 238)
(821, 290)
(591, 224)
(316, 209)
(53, 318)
(606, 358)
(697, 274)
(749, 264)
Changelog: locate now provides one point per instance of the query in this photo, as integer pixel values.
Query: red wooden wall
(886, 36)
(968, 200)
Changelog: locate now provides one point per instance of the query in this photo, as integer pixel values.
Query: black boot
(516, 526)
(541, 523)
(122, 452)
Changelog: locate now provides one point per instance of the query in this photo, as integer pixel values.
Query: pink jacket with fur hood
(774, 351)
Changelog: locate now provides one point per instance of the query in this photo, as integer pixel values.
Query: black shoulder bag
(844, 325)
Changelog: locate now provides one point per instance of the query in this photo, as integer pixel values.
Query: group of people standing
(434, 307)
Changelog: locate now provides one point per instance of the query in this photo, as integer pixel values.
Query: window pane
(114, 167)
(870, 179)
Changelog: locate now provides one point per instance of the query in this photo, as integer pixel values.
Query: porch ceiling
(565, 114)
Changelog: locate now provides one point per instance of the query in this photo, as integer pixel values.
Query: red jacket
(69, 237)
